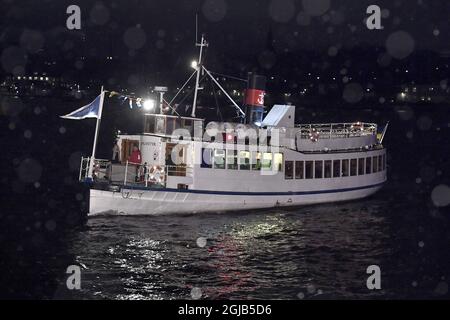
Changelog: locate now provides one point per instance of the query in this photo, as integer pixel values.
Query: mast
(97, 130)
(224, 91)
(202, 44)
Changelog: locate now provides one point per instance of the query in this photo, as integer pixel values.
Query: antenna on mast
(196, 28)
(198, 67)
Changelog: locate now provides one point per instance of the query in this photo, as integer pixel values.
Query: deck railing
(131, 173)
(336, 130)
(100, 168)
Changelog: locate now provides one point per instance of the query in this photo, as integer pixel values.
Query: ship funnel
(254, 99)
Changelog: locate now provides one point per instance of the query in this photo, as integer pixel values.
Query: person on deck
(116, 153)
(135, 159)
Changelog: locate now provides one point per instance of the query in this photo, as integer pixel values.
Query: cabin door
(127, 149)
(176, 159)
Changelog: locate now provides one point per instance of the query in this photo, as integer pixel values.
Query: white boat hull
(167, 201)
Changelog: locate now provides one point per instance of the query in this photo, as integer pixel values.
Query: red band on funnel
(254, 97)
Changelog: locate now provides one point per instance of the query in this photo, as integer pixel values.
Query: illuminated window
(309, 169)
(266, 161)
(219, 159)
(232, 161)
(299, 174)
(336, 168)
(368, 165)
(244, 160)
(360, 166)
(353, 167)
(345, 168)
(206, 158)
(318, 169)
(278, 161)
(256, 160)
(289, 170)
(327, 173)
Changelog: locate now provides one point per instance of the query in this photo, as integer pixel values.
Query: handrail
(336, 123)
(81, 168)
(336, 130)
(105, 170)
(84, 168)
(125, 175)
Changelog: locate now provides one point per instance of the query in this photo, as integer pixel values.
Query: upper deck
(279, 125)
(335, 136)
(336, 130)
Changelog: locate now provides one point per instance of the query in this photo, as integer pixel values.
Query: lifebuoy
(156, 174)
(314, 135)
(96, 170)
(357, 126)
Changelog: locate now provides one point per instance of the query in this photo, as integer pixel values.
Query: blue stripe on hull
(241, 193)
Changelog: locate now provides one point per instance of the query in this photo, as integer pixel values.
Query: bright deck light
(194, 64)
(149, 105)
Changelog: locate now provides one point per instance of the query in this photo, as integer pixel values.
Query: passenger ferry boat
(191, 167)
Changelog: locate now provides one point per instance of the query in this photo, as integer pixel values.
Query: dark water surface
(310, 252)
(314, 252)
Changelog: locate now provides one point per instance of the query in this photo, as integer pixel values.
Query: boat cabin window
(309, 170)
(244, 160)
(172, 124)
(353, 167)
(206, 158)
(336, 168)
(345, 168)
(164, 124)
(318, 169)
(327, 173)
(277, 161)
(266, 161)
(219, 159)
(299, 168)
(175, 154)
(256, 160)
(232, 160)
(368, 165)
(375, 164)
(149, 125)
(160, 125)
(360, 166)
(384, 162)
(380, 161)
(289, 170)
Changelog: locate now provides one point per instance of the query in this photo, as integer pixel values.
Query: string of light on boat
(146, 104)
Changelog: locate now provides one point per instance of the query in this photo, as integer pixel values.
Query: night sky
(154, 37)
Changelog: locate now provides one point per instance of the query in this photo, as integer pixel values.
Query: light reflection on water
(310, 252)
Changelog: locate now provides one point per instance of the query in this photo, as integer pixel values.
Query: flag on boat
(91, 110)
